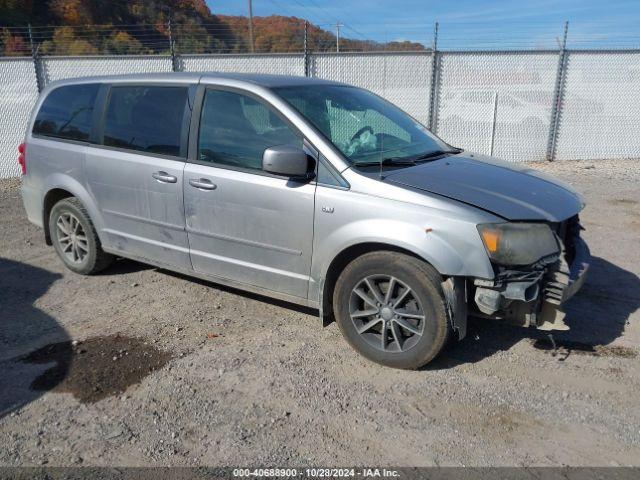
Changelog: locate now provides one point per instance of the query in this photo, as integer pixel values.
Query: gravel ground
(213, 376)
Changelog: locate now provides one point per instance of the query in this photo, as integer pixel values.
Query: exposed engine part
(510, 286)
(455, 292)
(524, 314)
(551, 318)
(488, 300)
(522, 291)
(556, 281)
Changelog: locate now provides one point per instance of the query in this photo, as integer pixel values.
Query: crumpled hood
(510, 191)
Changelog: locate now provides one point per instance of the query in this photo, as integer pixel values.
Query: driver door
(245, 225)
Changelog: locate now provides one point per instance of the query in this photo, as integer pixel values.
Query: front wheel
(391, 308)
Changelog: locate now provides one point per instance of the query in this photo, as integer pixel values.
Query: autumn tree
(80, 27)
(12, 45)
(71, 12)
(121, 43)
(64, 42)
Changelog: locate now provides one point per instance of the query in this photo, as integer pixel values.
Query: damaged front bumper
(534, 296)
(579, 268)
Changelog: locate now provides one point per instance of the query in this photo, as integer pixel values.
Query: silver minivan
(310, 191)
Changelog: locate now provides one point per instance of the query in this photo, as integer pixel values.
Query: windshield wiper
(433, 154)
(410, 160)
(388, 161)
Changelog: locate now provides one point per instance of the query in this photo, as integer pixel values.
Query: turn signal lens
(491, 239)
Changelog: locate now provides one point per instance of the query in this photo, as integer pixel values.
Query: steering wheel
(361, 131)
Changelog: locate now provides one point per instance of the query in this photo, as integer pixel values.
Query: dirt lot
(140, 366)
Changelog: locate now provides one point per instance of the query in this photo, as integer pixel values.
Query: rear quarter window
(67, 112)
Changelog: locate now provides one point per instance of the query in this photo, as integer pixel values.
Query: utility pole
(251, 26)
(338, 25)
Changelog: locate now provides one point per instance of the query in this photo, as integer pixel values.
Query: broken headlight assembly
(518, 243)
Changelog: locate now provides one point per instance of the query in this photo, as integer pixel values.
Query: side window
(145, 118)
(67, 112)
(236, 129)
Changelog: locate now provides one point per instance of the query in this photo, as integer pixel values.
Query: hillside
(77, 27)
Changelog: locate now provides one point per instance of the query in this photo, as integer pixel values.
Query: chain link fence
(600, 114)
(58, 68)
(402, 78)
(517, 105)
(278, 64)
(497, 103)
(18, 93)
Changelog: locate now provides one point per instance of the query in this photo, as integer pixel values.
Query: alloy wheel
(386, 313)
(72, 238)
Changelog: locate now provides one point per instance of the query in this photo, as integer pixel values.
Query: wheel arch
(61, 187)
(341, 260)
(453, 287)
(52, 197)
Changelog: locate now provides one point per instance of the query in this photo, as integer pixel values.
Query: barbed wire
(232, 36)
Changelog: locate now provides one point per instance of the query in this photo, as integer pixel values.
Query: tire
(410, 343)
(80, 251)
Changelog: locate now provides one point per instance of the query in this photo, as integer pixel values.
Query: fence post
(306, 48)
(435, 67)
(494, 123)
(556, 108)
(175, 65)
(37, 65)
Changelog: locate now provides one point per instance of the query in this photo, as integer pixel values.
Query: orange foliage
(13, 45)
(71, 12)
(195, 29)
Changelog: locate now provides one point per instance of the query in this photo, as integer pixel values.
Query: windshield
(364, 127)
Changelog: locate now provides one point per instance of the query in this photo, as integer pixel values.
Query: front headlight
(518, 243)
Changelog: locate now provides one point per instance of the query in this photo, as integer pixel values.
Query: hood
(509, 191)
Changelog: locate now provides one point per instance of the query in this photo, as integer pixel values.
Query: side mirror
(288, 160)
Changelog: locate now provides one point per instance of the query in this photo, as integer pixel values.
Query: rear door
(244, 224)
(135, 171)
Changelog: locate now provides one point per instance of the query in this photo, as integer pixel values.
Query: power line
(337, 20)
(220, 37)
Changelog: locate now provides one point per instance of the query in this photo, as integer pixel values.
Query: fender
(428, 246)
(452, 252)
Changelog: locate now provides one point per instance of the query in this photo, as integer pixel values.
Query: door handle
(164, 177)
(202, 184)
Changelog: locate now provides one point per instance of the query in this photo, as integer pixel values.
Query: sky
(465, 23)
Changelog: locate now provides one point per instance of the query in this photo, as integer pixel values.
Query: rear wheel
(75, 239)
(390, 307)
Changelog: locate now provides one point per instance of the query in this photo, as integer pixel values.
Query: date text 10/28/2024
(316, 472)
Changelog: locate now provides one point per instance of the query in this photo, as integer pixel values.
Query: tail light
(22, 160)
